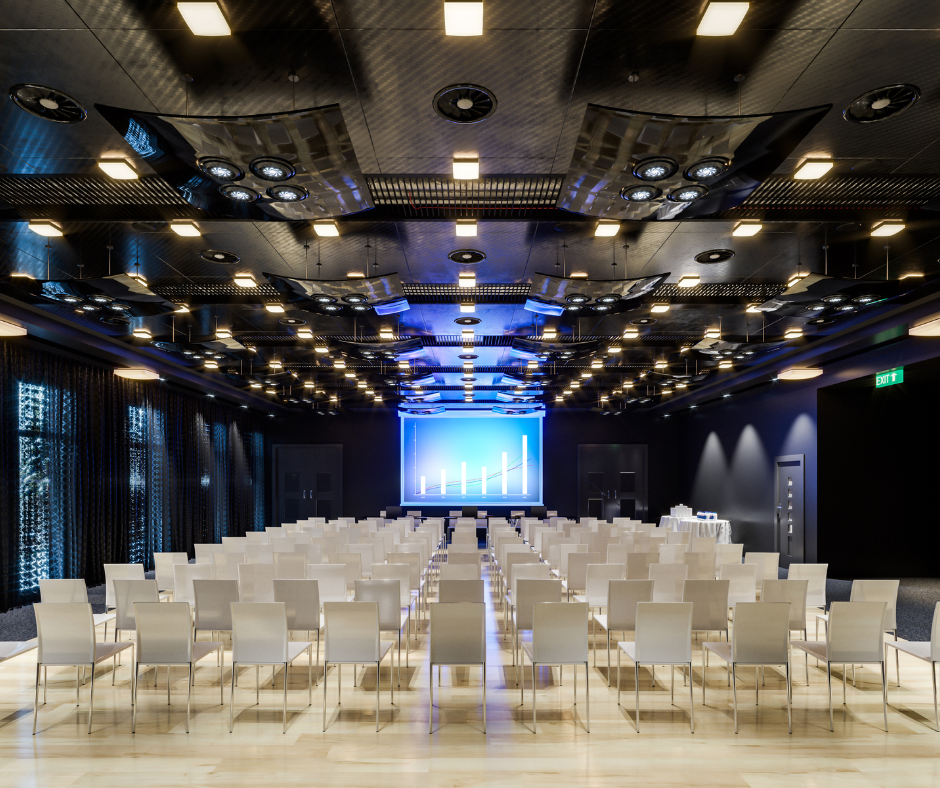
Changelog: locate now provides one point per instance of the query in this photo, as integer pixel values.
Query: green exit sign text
(889, 377)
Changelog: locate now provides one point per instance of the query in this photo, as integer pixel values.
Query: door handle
(305, 494)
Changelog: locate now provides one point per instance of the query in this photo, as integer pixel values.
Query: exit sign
(889, 377)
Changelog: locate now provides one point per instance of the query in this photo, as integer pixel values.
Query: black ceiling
(545, 62)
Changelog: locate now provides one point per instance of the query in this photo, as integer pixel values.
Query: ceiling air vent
(464, 103)
(881, 103)
(466, 256)
(47, 103)
(714, 256)
(218, 256)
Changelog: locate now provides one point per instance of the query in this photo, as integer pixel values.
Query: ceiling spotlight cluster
(265, 168)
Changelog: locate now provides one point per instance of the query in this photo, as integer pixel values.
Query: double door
(612, 480)
(308, 481)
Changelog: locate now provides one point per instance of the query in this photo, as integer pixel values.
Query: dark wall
(877, 469)
(371, 455)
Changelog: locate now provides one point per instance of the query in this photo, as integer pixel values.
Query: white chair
(701, 565)
(854, 636)
(454, 591)
(767, 565)
(226, 565)
(793, 592)
(163, 564)
(301, 599)
(332, 581)
(816, 575)
(728, 554)
(259, 554)
(185, 574)
(456, 571)
(761, 638)
(127, 593)
(366, 557)
(387, 595)
(638, 565)
(257, 537)
(114, 572)
(663, 637)
(622, 599)
(352, 637)
(529, 593)
(678, 537)
(260, 637)
(204, 552)
(703, 544)
(458, 637)
(559, 637)
(596, 592)
(617, 554)
(709, 600)
(290, 566)
(402, 573)
(59, 590)
(213, 606)
(312, 553)
(742, 582)
(668, 580)
(164, 638)
(256, 582)
(672, 553)
(234, 544)
(576, 579)
(353, 563)
(66, 637)
(928, 651)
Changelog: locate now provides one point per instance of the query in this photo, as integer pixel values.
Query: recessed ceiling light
(466, 228)
(721, 19)
(210, 364)
(304, 333)
(724, 364)
(659, 308)
(793, 333)
(630, 333)
(275, 308)
(752, 308)
(746, 229)
(119, 170)
(349, 374)
(463, 17)
(361, 384)
(186, 229)
(47, 229)
(355, 275)
(339, 364)
(585, 374)
(467, 280)
(142, 333)
(614, 349)
(797, 277)
(8, 329)
(223, 333)
(660, 365)
(255, 384)
(404, 365)
(689, 280)
(712, 333)
(578, 275)
(467, 333)
(204, 19)
(884, 229)
(575, 384)
(799, 373)
(181, 309)
(466, 169)
(275, 364)
(903, 276)
(597, 364)
(326, 228)
(812, 169)
(386, 333)
(549, 333)
(929, 329)
(606, 228)
(468, 308)
(244, 280)
(321, 349)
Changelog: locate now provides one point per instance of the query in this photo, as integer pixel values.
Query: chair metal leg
(221, 678)
(324, 695)
(77, 684)
(844, 671)
(534, 724)
(829, 676)
(897, 660)
(309, 677)
(587, 696)
(40, 668)
(284, 715)
(636, 688)
(431, 700)
(257, 685)
(91, 698)
(231, 709)
(134, 703)
(575, 682)
(757, 684)
(45, 679)
(618, 675)
(936, 711)
(608, 655)
(789, 713)
(378, 677)
(734, 695)
(691, 701)
(884, 692)
(189, 695)
(484, 697)
(167, 685)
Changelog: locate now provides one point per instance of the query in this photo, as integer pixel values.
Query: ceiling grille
(446, 294)
(720, 290)
(86, 190)
(211, 289)
(859, 191)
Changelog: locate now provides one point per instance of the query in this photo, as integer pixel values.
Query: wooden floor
(858, 755)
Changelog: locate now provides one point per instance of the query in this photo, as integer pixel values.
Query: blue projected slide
(467, 458)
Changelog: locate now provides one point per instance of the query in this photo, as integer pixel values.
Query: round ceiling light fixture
(608, 299)
(270, 168)
(292, 321)
(47, 103)
(688, 193)
(713, 256)
(820, 321)
(708, 168)
(865, 299)
(466, 256)
(577, 298)
(238, 193)
(468, 321)
(219, 256)
(467, 356)
(118, 307)
(464, 103)
(221, 169)
(643, 321)
(324, 299)
(640, 193)
(881, 103)
(331, 307)
(573, 308)
(66, 298)
(657, 168)
(355, 298)
(361, 307)
(287, 193)
(601, 308)
(834, 299)
(100, 299)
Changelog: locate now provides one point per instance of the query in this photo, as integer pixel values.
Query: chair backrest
(617, 554)
(935, 634)
(678, 537)
(163, 564)
(332, 580)
(767, 564)
(399, 572)
(663, 632)
(790, 591)
(451, 571)
(855, 633)
(564, 555)
(387, 595)
(204, 553)
(668, 580)
(367, 555)
(259, 554)
(259, 632)
(761, 633)
(623, 596)
(353, 564)
(597, 579)
(214, 603)
(257, 537)
(529, 593)
(577, 567)
(516, 559)
(63, 591)
(728, 554)
(114, 572)
(185, 575)
(126, 594)
(465, 537)
(464, 559)
(256, 582)
(672, 553)
(379, 548)
(301, 599)
(163, 633)
(234, 544)
(529, 572)
(282, 544)
(312, 553)
(701, 565)
(458, 631)
(352, 631)
(66, 633)
(638, 565)
(291, 566)
(742, 582)
(413, 560)
(559, 632)
(703, 544)
(879, 591)
(816, 575)
(226, 565)
(709, 600)
(460, 591)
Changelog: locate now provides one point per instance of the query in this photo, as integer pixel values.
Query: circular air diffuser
(218, 256)
(881, 103)
(221, 169)
(468, 321)
(466, 256)
(657, 168)
(47, 103)
(714, 256)
(464, 103)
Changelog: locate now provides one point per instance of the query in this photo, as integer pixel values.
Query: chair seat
(203, 648)
(815, 648)
(601, 620)
(822, 616)
(628, 647)
(527, 648)
(295, 648)
(921, 649)
(384, 647)
(13, 648)
(105, 651)
(103, 618)
(723, 650)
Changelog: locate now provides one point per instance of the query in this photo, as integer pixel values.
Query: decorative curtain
(95, 469)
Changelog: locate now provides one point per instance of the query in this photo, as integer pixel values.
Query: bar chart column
(525, 465)
(443, 481)
(505, 472)
(463, 478)
(483, 474)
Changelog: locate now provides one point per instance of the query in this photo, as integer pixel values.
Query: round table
(720, 529)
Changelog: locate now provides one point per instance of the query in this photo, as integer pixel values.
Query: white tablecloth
(718, 528)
